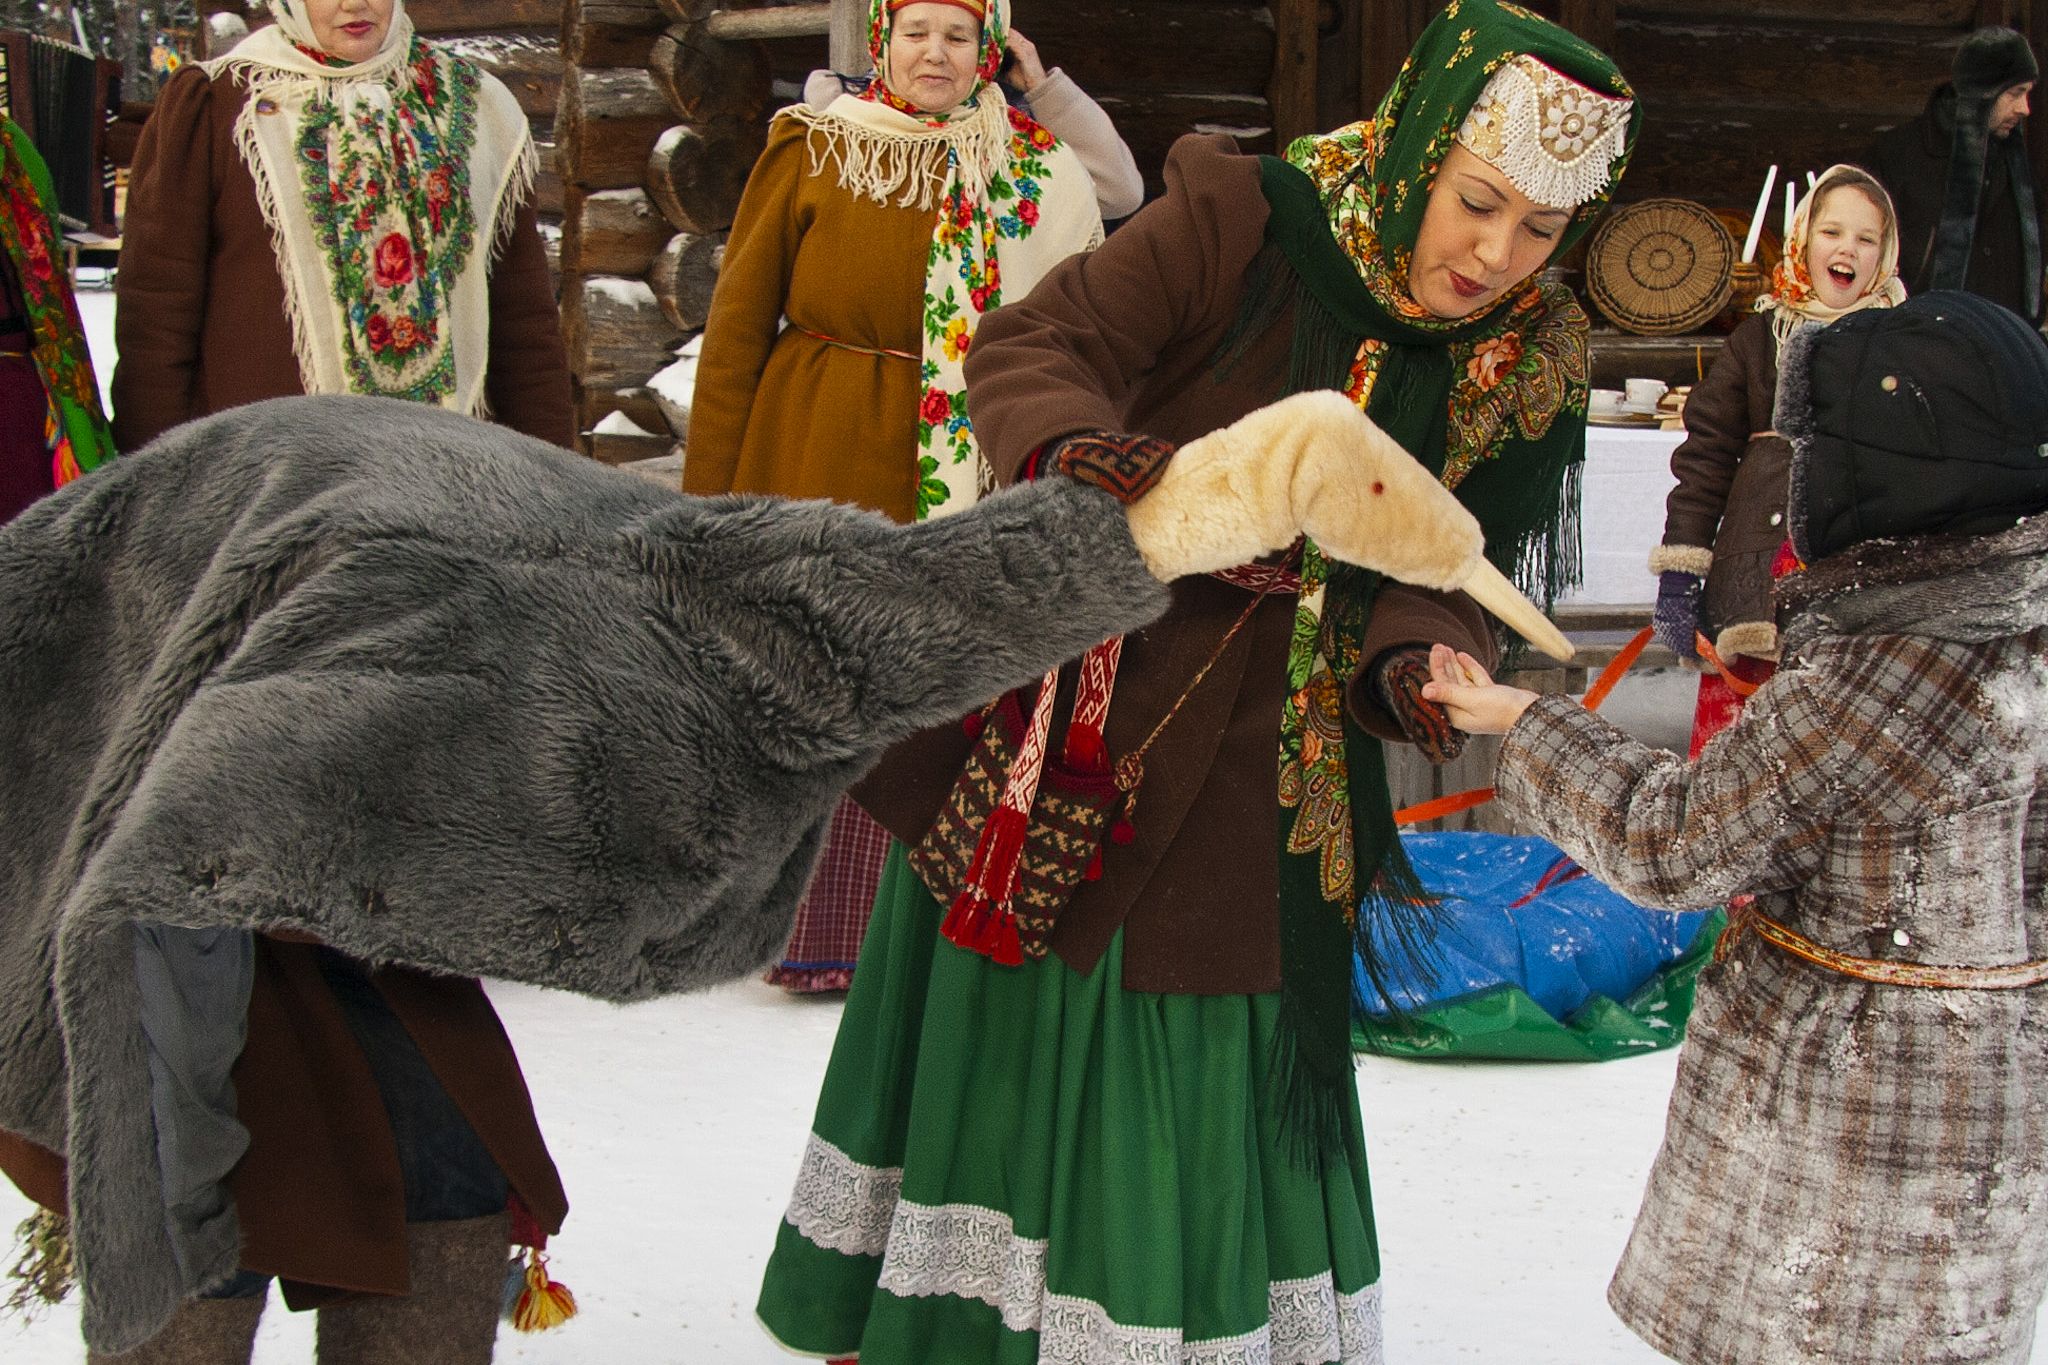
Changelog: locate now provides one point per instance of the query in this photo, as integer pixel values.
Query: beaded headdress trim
(1555, 140)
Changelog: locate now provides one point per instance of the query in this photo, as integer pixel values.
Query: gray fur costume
(440, 694)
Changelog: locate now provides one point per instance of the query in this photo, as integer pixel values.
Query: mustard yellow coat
(787, 413)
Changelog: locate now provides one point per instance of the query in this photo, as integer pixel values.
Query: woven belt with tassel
(1747, 919)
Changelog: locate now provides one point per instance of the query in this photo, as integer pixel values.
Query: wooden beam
(1292, 90)
(850, 36)
(705, 80)
(788, 21)
(607, 122)
(433, 17)
(1592, 20)
(1391, 28)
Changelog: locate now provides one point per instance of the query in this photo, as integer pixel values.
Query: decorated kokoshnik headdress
(1010, 201)
(1791, 299)
(1478, 400)
(388, 185)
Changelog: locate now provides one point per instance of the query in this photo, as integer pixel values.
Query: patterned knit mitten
(1398, 676)
(1675, 620)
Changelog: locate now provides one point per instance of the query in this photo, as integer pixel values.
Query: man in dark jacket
(1969, 213)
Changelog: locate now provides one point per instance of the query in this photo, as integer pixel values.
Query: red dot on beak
(1378, 488)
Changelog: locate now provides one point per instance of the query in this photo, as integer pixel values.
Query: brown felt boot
(203, 1332)
(451, 1316)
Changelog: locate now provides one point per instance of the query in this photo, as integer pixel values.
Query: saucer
(1624, 418)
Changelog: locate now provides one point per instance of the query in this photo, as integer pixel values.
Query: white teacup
(1604, 402)
(1644, 393)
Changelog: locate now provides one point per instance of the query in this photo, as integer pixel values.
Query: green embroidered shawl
(1494, 404)
(78, 435)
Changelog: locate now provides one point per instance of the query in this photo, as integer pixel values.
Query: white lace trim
(1554, 138)
(974, 1252)
(841, 1205)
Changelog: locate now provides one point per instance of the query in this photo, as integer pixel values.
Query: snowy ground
(1504, 1193)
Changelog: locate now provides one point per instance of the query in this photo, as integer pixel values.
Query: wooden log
(636, 404)
(609, 32)
(607, 123)
(547, 186)
(782, 21)
(696, 175)
(613, 449)
(683, 276)
(615, 331)
(687, 11)
(436, 17)
(706, 80)
(1128, 46)
(1955, 14)
(848, 41)
(1843, 67)
(611, 232)
(529, 64)
(1391, 28)
(1592, 20)
(1717, 154)
(1292, 91)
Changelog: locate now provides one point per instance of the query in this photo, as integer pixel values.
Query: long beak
(1491, 589)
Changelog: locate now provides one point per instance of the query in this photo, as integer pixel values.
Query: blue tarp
(1573, 941)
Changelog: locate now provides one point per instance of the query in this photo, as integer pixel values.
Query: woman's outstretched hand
(1476, 703)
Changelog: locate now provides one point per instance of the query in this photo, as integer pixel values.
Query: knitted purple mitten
(1675, 620)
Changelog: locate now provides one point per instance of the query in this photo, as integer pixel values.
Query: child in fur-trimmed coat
(1855, 1165)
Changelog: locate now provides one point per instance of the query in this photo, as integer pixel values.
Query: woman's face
(1480, 236)
(933, 52)
(1843, 244)
(352, 30)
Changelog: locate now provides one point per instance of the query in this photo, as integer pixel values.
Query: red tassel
(974, 724)
(994, 869)
(1123, 832)
(1085, 750)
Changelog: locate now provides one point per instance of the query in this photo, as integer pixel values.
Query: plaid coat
(1850, 1172)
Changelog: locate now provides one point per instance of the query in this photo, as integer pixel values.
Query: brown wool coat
(200, 324)
(201, 327)
(787, 413)
(1120, 340)
(1850, 1171)
(1733, 472)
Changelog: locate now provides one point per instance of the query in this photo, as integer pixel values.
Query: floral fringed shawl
(1011, 202)
(76, 426)
(1494, 404)
(387, 184)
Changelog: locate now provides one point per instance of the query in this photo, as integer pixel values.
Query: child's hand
(1476, 703)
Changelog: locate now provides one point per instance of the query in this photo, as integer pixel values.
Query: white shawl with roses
(387, 185)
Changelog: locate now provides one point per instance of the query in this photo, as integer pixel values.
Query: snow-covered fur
(440, 694)
(1850, 1171)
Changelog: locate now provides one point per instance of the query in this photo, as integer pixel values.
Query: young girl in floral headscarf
(1725, 521)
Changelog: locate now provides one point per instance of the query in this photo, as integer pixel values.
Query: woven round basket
(1660, 267)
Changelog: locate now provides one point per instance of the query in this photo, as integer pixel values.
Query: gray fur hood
(440, 694)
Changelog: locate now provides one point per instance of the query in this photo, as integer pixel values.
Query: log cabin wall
(659, 119)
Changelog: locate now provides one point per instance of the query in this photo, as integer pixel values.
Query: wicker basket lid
(1660, 266)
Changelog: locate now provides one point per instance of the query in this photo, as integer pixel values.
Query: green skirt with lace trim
(1018, 1164)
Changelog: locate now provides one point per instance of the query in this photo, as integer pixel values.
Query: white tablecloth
(1628, 474)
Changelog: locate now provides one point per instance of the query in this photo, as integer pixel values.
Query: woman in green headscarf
(51, 426)
(1147, 1144)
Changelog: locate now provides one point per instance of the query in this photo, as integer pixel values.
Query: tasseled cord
(43, 1272)
(533, 1301)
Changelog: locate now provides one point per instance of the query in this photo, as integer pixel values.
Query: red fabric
(24, 454)
(833, 917)
(1719, 704)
